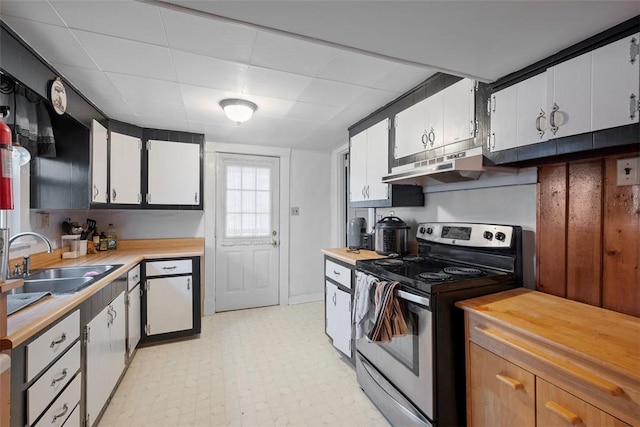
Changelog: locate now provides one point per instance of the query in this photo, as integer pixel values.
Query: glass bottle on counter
(112, 239)
(103, 242)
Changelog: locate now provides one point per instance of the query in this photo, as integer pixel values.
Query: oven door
(406, 362)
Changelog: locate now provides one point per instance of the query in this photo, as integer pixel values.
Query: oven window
(405, 349)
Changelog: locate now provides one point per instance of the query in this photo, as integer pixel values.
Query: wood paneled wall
(588, 235)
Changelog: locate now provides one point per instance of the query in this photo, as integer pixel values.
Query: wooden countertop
(350, 257)
(27, 322)
(603, 337)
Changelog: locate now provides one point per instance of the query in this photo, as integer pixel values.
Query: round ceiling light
(238, 110)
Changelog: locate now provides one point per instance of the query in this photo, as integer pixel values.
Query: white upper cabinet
(369, 162)
(532, 113)
(125, 173)
(99, 153)
(459, 111)
(434, 129)
(410, 126)
(377, 160)
(174, 173)
(614, 86)
(569, 97)
(502, 107)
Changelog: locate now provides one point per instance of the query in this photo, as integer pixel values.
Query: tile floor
(270, 366)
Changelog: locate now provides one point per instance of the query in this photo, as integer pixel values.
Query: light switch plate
(628, 173)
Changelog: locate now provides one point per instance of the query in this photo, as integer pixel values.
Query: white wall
(310, 231)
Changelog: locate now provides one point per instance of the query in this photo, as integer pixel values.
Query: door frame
(284, 154)
(339, 197)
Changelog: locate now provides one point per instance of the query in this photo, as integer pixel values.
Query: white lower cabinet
(169, 304)
(134, 299)
(338, 315)
(105, 355)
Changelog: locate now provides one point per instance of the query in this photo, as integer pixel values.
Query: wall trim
(302, 299)
(337, 197)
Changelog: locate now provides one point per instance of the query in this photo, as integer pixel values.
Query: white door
(435, 121)
(615, 85)
(98, 354)
(410, 128)
(99, 137)
(569, 87)
(169, 304)
(174, 173)
(247, 231)
(458, 101)
(503, 119)
(358, 167)
(533, 115)
(377, 160)
(338, 315)
(134, 316)
(125, 172)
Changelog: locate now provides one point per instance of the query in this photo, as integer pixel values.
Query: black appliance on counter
(419, 379)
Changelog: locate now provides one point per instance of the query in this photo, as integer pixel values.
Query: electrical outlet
(628, 173)
(295, 211)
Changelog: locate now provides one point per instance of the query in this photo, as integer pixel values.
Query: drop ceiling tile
(126, 19)
(128, 56)
(209, 36)
(290, 54)
(354, 68)
(149, 109)
(199, 70)
(53, 43)
(372, 99)
(40, 11)
(294, 130)
(403, 78)
(96, 87)
(169, 123)
(326, 138)
(312, 112)
(275, 84)
(144, 89)
(327, 92)
(213, 133)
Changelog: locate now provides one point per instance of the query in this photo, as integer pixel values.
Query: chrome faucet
(26, 264)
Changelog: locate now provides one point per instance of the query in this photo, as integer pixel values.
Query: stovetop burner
(462, 271)
(438, 276)
(389, 262)
(413, 258)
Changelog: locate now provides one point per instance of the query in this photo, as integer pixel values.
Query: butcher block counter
(537, 359)
(349, 256)
(27, 322)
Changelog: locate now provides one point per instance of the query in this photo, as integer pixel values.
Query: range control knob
(422, 230)
(488, 235)
(500, 236)
(429, 230)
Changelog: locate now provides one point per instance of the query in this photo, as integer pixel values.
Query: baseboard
(301, 299)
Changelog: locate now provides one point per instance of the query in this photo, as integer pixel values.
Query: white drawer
(133, 277)
(43, 391)
(63, 406)
(52, 343)
(74, 418)
(163, 268)
(338, 273)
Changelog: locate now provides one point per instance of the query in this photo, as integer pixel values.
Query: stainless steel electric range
(419, 379)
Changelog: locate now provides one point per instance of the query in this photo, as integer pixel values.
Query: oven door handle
(418, 299)
(405, 406)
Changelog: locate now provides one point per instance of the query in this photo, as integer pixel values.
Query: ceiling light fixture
(238, 110)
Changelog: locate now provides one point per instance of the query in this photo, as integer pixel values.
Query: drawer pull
(337, 273)
(563, 413)
(511, 382)
(65, 409)
(62, 339)
(583, 375)
(62, 376)
(173, 267)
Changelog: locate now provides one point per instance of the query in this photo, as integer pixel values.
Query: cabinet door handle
(334, 300)
(368, 192)
(552, 118)
(424, 138)
(95, 191)
(65, 409)
(188, 283)
(173, 267)
(59, 378)
(583, 375)
(563, 412)
(113, 194)
(363, 196)
(337, 273)
(511, 382)
(62, 338)
(195, 199)
(431, 136)
(115, 314)
(541, 115)
(633, 106)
